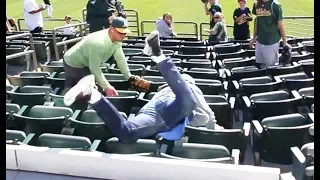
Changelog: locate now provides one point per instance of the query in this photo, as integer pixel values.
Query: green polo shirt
(267, 21)
(94, 50)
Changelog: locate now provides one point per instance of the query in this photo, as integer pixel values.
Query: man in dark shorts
(268, 30)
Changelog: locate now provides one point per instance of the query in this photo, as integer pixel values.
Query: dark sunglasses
(216, 17)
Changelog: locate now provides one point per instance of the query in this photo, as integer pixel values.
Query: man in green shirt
(87, 56)
(268, 29)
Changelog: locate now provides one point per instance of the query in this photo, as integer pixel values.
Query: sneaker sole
(71, 96)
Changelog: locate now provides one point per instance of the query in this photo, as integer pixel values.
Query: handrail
(55, 44)
(32, 50)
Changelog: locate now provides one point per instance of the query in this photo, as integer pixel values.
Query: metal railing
(57, 44)
(48, 24)
(182, 28)
(299, 26)
(24, 53)
(204, 35)
(132, 17)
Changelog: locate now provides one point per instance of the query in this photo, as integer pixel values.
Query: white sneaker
(83, 88)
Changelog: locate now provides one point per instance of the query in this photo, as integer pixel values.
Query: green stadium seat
(230, 138)
(203, 73)
(145, 147)
(17, 137)
(295, 81)
(226, 48)
(125, 100)
(65, 141)
(136, 69)
(29, 95)
(44, 119)
(281, 102)
(29, 78)
(274, 136)
(197, 63)
(140, 60)
(281, 70)
(198, 152)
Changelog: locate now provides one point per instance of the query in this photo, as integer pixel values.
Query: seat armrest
(246, 101)
(232, 102)
(55, 91)
(235, 154)
(22, 110)
(148, 67)
(310, 151)
(257, 126)
(220, 63)
(208, 54)
(113, 66)
(95, 145)
(236, 85)
(53, 74)
(225, 85)
(246, 128)
(311, 117)
(295, 94)
(28, 138)
(298, 155)
(51, 104)
(141, 95)
(76, 114)
(309, 171)
(131, 116)
(311, 130)
(227, 72)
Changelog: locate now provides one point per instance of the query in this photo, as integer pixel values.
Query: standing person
(98, 13)
(68, 30)
(86, 57)
(165, 26)
(214, 7)
(166, 114)
(49, 8)
(241, 16)
(268, 29)
(33, 16)
(219, 31)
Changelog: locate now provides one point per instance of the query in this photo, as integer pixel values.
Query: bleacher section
(268, 112)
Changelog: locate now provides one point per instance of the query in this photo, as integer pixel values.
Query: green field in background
(182, 10)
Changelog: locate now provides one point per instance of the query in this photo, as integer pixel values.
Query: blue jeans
(159, 115)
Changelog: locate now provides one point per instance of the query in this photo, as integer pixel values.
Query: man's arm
(278, 14)
(32, 8)
(94, 66)
(214, 30)
(207, 10)
(122, 62)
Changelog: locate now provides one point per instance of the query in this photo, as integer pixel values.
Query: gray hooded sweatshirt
(203, 116)
(163, 28)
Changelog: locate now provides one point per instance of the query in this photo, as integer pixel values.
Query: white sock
(95, 96)
(49, 10)
(158, 59)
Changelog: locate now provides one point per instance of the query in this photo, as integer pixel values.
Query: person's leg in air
(164, 114)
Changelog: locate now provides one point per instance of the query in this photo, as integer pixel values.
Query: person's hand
(252, 41)
(111, 91)
(111, 18)
(243, 15)
(284, 43)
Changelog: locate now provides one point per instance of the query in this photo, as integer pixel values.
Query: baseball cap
(176, 133)
(121, 25)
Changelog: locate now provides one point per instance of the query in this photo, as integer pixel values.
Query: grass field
(182, 10)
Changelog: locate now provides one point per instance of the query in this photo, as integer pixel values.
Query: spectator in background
(165, 26)
(268, 29)
(219, 31)
(98, 14)
(214, 7)
(33, 16)
(241, 16)
(68, 30)
(8, 27)
(49, 7)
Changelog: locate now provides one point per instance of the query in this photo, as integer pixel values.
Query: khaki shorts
(267, 55)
